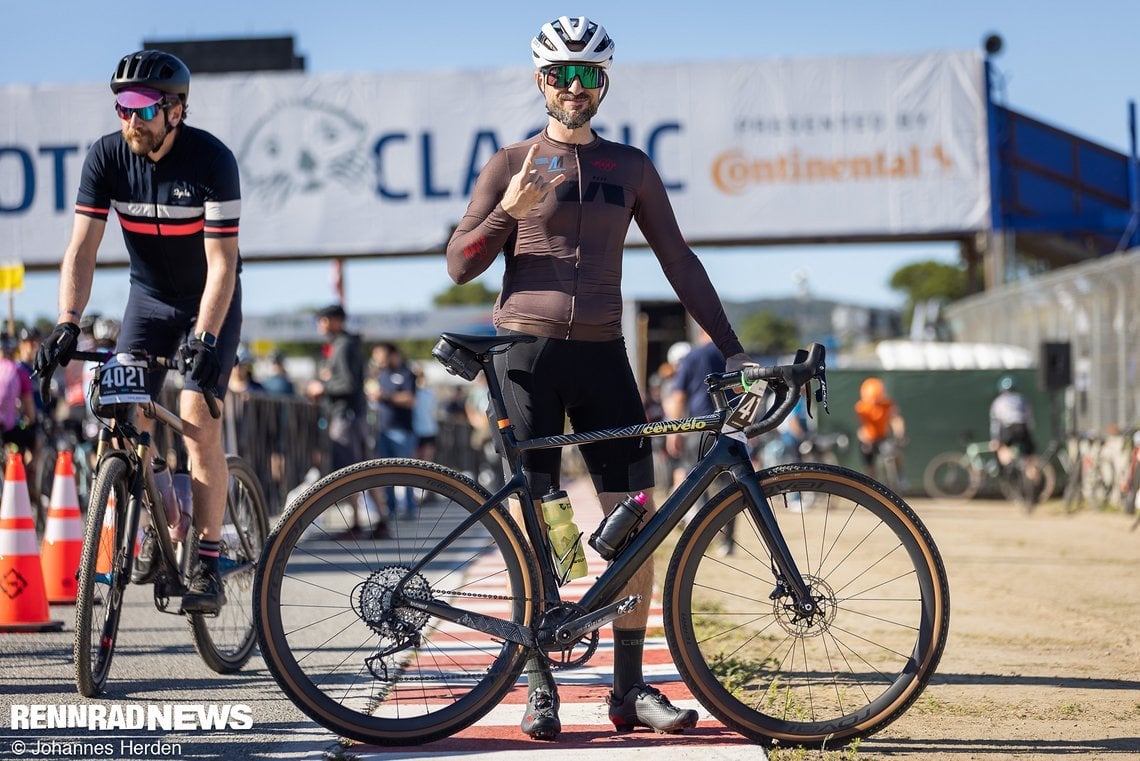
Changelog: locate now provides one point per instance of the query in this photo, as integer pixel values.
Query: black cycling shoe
(205, 594)
(541, 719)
(645, 706)
(146, 564)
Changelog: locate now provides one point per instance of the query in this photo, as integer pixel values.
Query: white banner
(384, 163)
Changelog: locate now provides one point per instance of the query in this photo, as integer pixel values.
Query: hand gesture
(528, 187)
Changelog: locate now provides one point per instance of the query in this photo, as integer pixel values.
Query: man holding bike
(176, 193)
(559, 205)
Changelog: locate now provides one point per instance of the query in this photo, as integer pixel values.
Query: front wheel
(331, 601)
(102, 577)
(849, 669)
(226, 641)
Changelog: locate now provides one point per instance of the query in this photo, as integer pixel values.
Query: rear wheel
(335, 626)
(848, 669)
(226, 641)
(102, 577)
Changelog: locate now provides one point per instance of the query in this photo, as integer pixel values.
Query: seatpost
(503, 434)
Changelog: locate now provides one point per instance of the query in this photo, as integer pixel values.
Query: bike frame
(131, 444)
(122, 438)
(728, 454)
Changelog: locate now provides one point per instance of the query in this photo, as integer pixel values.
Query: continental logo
(676, 426)
(733, 171)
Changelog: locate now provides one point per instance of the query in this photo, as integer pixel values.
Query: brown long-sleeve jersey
(564, 260)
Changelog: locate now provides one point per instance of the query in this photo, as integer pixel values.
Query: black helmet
(152, 68)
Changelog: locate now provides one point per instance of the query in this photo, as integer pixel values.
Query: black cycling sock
(208, 554)
(538, 675)
(628, 647)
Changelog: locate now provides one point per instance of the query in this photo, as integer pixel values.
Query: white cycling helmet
(572, 40)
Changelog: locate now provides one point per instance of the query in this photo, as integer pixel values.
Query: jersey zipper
(577, 247)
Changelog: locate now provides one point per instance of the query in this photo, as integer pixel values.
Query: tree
(768, 333)
(468, 294)
(928, 281)
(922, 281)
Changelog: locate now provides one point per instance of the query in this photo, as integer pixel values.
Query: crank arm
(574, 629)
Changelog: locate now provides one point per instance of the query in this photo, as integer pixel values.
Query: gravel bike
(964, 474)
(826, 625)
(122, 490)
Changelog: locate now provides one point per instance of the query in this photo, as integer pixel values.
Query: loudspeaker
(1055, 369)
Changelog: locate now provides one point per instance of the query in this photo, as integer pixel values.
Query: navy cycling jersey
(166, 208)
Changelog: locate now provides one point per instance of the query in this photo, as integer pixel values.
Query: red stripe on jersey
(92, 210)
(149, 228)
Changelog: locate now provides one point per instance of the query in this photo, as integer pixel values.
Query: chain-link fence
(1094, 307)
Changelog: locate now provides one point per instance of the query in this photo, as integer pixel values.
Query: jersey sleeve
(94, 196)
(655, 218)
(223, 198)
(486, 227)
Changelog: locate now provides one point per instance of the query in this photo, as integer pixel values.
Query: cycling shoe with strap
(645, 706)
(541, 719)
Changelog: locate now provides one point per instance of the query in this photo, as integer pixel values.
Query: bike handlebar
(153, 363)
(785, 381)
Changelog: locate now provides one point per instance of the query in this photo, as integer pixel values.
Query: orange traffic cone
(107, 537)
(63, 536)
(23, 600)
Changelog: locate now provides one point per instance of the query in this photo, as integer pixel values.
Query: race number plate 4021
(123, 381)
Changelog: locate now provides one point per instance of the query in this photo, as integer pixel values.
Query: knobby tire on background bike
(226, 641)
(102, 578)
(882, 598)
(333, 631)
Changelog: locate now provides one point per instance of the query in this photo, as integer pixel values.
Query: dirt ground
(1043, 659)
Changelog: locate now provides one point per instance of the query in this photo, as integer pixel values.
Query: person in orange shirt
(881, 427)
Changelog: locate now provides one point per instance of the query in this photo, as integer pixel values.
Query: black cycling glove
(202, 363)
(56, 349)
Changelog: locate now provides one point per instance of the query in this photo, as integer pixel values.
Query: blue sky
(1071, 64)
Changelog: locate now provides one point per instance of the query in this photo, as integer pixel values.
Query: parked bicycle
(123, 489)
(825, 628)
(1130, 478)
(1092, 478)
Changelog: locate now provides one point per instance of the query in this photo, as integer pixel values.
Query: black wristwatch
(208, 338)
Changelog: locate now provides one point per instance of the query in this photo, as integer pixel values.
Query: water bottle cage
(566, 560)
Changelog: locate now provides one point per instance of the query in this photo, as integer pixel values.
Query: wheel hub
(376, 602)
(814, 623)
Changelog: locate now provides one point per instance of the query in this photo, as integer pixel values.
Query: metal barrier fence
(281, 437)
(1092, 306)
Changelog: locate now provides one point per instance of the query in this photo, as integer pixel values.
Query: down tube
(726, 454)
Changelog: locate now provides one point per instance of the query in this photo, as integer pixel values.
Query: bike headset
(157, 70)
(573, 40)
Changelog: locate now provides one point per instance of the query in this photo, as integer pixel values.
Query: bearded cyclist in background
(175, 191)
(558, 206)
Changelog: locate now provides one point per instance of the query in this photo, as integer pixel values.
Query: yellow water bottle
(565, 538)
